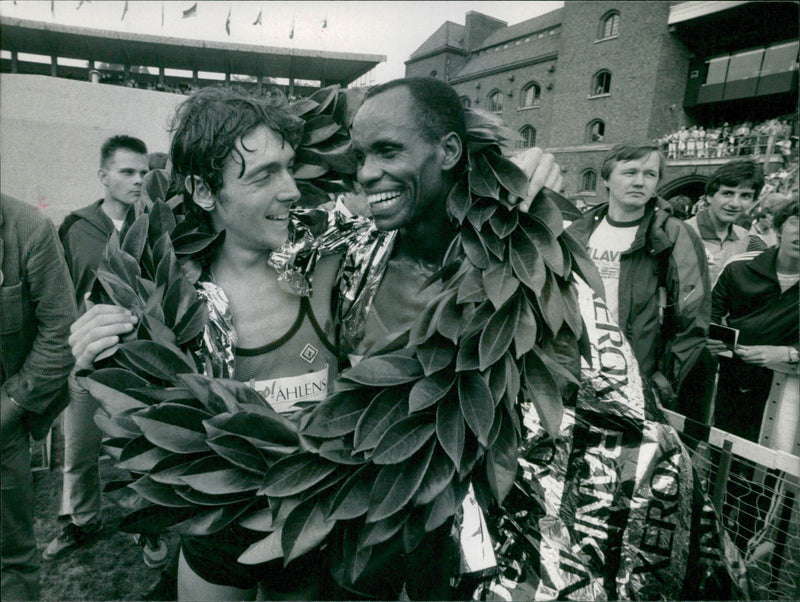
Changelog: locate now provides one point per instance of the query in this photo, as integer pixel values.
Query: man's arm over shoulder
(689, 295)
(43, 375)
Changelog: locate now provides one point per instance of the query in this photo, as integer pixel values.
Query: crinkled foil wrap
(361, 274)
(219, 336)
(610, 509)
(313, 233)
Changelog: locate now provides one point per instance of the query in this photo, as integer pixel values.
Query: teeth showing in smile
(382, 197)
(278, 218)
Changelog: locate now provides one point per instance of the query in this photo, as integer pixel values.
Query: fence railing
(735, 146)
(755, 490)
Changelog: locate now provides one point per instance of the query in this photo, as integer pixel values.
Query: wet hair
(437, 106)
(630, 152)
(207, 125)
(788, 209)
(111, 145)
(737, 173)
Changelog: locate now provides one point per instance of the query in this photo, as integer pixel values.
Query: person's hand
(10, 415)
(666, 394)
(715, 347)
(761, 355)
(96, 334)
(542, 171)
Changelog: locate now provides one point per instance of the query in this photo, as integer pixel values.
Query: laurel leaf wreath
(392, 452)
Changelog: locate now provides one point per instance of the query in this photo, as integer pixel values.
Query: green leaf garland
(394, 451)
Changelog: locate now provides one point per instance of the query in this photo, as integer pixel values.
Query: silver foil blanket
(611, 508)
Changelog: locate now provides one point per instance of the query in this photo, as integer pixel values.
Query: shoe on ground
(73, 537)
(154, 550)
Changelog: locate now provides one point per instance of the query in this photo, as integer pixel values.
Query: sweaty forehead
(261, 145)
(386, 116)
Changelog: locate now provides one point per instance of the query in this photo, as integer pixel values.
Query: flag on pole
(162, 14)
(258, 18)
(124, 11)
(53, 7)
(325, 23)
(191, 11)
(228, 23)
(291, 33)
(81, 3)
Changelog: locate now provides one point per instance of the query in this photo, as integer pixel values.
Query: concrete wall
(51, 131)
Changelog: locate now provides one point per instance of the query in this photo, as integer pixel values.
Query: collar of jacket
(765, 264)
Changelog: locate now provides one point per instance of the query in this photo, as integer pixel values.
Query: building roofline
(542, 58)
(687, 11)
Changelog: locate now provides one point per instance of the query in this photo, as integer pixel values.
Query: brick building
(588, 75)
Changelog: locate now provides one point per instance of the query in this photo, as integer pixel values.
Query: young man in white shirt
(653, 268)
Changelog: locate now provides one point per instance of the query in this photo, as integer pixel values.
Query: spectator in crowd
(727, 140)
(36, 310)
(730, 192)
(653, 268)
(762, 226)
(84, 234)
(683, 138)
(157, 161)
(681, 206)
(724, 140)
(757, 294)
(742, 138)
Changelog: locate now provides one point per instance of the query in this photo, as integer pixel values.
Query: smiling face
(630, 185)
(122, 177)
(401, 171)
(728, 203)
(253, 206)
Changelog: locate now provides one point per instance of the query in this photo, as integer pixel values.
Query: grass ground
(110, 569)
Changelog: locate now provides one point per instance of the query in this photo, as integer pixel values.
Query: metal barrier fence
(755, 490)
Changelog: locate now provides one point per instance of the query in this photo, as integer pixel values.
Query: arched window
(466, 102)
(595, 131)
(589, 181)
(601, 83)
(530, 95)
(496, 101)
(609, 25)
(528, 135)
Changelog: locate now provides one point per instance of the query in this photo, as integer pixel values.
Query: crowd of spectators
(727, 140)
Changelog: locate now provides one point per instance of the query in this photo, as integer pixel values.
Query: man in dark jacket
(84, 234)
(757, 293)
(653, 267)
(35, 316)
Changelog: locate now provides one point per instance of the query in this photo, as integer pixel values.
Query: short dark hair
(437, 105)
(111, 145)
(737, 173)
(788, 209)
(630, 152)
(207, 125)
